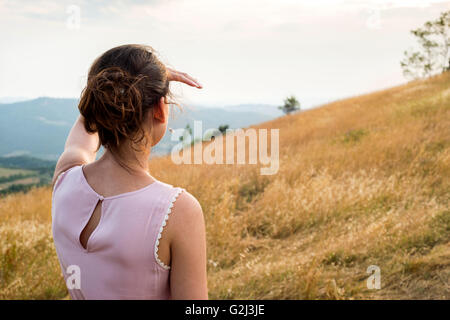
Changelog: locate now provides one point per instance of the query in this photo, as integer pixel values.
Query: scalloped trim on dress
(166, 217)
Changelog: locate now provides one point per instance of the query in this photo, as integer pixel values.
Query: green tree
(432, 57)
(223, 128)
(187, 134)
(291, 104)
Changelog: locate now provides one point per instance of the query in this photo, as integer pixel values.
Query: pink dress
(121, 260)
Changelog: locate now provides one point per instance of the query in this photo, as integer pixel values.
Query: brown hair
(123, 85)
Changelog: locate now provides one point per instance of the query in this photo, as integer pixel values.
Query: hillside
(362, 181)
(20, 173)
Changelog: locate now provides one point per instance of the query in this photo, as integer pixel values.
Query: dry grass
(362, 181)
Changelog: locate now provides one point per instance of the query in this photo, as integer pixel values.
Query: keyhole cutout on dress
(91, 225)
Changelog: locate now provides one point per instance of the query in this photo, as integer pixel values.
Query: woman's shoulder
(181, 199)
(58, 178)
(186, 213)
(186, 202)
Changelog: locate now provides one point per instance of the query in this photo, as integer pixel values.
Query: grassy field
(6, 172)
(21, 173)
(362, 181)
(24, 181)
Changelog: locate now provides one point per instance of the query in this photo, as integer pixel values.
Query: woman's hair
(123, 85)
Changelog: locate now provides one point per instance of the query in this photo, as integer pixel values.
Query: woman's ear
(160, 113)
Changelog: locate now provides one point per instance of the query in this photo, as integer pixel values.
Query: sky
(242, 51)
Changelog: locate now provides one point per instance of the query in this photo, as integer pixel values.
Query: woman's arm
(80, 148)
(186, 231)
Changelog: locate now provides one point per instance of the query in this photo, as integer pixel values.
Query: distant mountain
(40, 127)
(36, 127)
(25, 162)
(13, 99)
(266, 109)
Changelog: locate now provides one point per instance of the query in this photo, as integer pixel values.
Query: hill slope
(362, 181)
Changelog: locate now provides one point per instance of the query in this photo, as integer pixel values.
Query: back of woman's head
(123, 85)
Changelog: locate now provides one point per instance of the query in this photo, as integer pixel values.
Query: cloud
(58, 123)
(391, 4)
(42, 9)
(57, 10)
(200, 13)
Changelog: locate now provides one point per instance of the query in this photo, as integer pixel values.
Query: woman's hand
(175, 75)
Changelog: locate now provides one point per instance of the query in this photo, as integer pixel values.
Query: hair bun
(115, 103)
(117, 85)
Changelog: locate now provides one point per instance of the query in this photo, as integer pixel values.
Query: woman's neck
(135, 162)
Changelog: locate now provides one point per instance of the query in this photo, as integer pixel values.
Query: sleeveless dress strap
(175, 193)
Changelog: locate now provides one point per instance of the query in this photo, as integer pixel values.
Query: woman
(123, 233)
